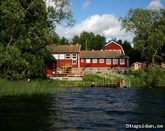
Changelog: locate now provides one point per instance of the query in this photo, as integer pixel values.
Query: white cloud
(155, 5)
(86, 4)
(106, 25)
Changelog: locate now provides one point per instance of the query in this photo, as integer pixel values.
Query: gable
(113, 46)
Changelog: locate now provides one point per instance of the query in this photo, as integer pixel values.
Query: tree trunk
(153, 56)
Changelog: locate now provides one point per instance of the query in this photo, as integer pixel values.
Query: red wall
(50, 66)
(62, 62)
(91, 64)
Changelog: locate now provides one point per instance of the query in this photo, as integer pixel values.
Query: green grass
(34, 87)
(103, 80)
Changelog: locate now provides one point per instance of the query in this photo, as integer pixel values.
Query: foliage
(89, 40)
(26, 28)
(130, 51)
(153, 76)
(149, 29)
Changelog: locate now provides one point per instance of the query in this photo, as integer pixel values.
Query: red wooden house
(69, 59)
(66, 57)
(112, 58)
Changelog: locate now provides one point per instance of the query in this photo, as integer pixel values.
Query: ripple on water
(83, 109)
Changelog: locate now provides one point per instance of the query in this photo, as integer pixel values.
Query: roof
(139, 63)
(101, 54)
(63, 48)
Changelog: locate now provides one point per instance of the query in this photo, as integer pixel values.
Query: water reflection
(83, 109)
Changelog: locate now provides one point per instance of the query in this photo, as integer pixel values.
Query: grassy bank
(34, 87)
(45, 87)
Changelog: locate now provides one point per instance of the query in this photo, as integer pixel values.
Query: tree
(149, 29)
(89, 40)
(26, 28)
(63, 40)
(133, 53)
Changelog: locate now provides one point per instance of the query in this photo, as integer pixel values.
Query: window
(61, 56)
(82, 60)
(67, 56)
(74, 56)
(74, 62)
(119, 51)
(114, 50)
(94, 60)
(101, 60)
(88, 60)
(115, 61)
(108, 61)
(122, 61)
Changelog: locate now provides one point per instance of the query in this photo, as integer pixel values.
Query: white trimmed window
(67, 56)
(122, 61)
(119, 51)
(88, 60)
(101, 60)
(74, 56)
(82, 60)
(61, 56)
(74, 62)
(114, 50)
(108, 61)
(115, 61)
(94, 60)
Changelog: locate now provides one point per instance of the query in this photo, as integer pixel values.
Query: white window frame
(82, 60)
(74, 56)
(114, 50)
(61, 56)
(122, 61)
(94, 60)
(119, 50)
(108, 61)
(67, 56)
(101, 60)
(115, 61)
(88, 61)
(74, 62)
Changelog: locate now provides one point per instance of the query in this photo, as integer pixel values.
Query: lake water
(96, 109)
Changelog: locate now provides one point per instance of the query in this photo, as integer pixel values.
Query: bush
(153, 76)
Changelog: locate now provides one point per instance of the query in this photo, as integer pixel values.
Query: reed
(34, 87)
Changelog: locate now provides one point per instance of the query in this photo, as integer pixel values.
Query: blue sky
(101, 17)
(117, 7)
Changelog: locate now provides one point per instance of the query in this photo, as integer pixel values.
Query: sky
(101, 17)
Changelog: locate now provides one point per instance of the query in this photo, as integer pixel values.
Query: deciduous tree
(26, 27)
(149, 29)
